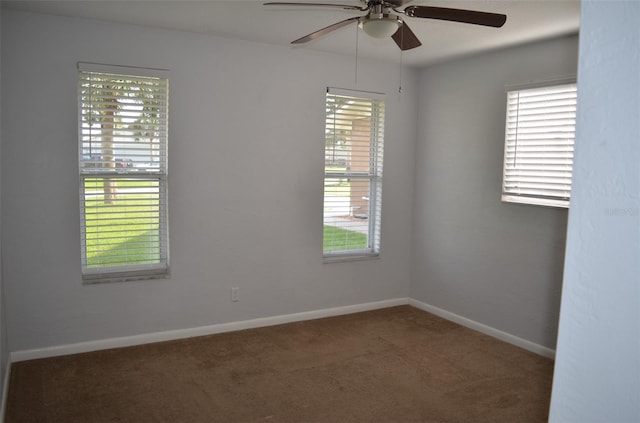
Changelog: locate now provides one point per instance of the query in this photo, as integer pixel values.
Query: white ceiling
(527, 20)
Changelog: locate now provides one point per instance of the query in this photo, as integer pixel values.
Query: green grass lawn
(337, 239)
(138, 249)
(124, 231)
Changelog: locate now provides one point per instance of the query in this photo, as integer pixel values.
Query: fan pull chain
(356, 67)
(401, 51)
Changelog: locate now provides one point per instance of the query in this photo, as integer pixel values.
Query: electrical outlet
(235, 294)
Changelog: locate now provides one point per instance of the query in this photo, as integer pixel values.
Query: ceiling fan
(381, 22)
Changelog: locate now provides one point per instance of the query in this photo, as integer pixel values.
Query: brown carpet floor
(393, 365)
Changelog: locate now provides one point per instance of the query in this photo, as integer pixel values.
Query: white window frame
(151, 176)
(373, 174)
(539, 143)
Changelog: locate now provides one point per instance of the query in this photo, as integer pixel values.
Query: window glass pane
(123, 123)
(122, 221)
(538, 156)
(346, 214)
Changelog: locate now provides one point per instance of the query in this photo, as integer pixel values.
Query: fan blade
(325, 30)
(405, 38)
(495, 20)
(341, 6)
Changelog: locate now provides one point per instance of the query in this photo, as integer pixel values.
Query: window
(123, 172)
(354, 132)
(538, 156)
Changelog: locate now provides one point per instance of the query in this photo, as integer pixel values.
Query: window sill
(535, 201)
(340, 258)
(93, 279)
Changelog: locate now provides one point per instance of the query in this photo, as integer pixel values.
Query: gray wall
(245, 183)
(498, 264)
(597, 377)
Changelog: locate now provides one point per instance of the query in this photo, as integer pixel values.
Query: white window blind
(538, 157)
(123, 172)
(354, 134)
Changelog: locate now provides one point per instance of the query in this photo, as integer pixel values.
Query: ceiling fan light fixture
(383, 27)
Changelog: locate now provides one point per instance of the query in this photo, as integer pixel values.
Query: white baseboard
(5, 389)
(127, 341)
(487, 330)
(146, 338)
